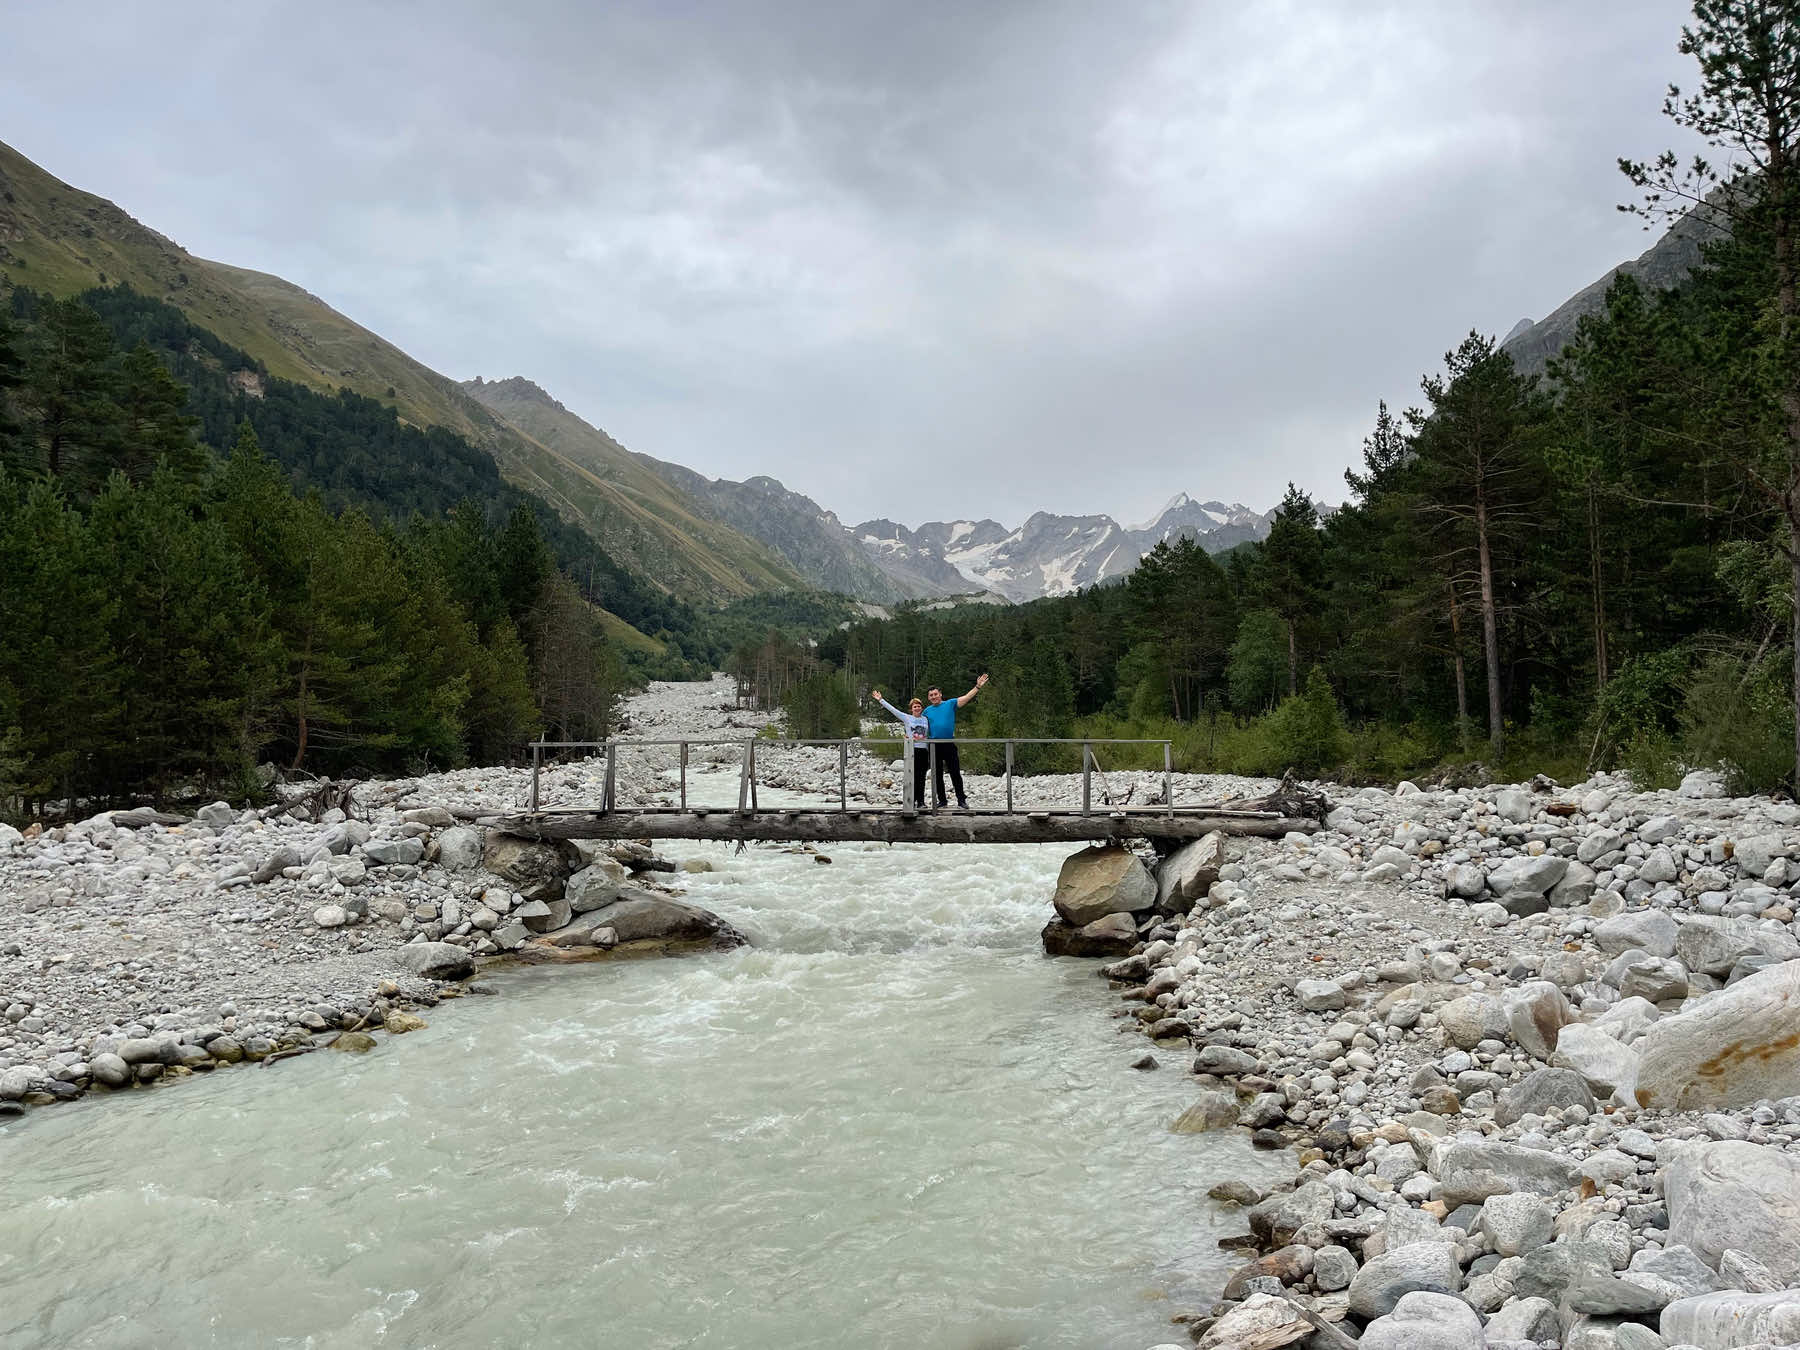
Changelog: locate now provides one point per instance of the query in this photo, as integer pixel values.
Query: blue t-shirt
(941, 718)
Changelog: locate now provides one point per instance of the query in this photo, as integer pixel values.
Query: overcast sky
(919, 260)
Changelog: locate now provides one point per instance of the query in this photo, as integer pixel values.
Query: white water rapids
(890, 1123)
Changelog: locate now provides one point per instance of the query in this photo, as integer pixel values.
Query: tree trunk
(1293, 662)
(300, 718)
(1462, 679)
(1597, 580)
(1490, 632)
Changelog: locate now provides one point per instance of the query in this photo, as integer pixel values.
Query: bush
(1306, 732)
(1738, 717)
(821, 707)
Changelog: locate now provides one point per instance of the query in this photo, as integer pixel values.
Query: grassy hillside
(644, 505)
(60, 240)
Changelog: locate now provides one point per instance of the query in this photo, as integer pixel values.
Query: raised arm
(876, 695)
(980, 683)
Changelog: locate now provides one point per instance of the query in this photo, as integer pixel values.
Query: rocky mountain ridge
(1053, 554)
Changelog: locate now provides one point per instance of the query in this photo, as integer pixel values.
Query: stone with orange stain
(1733, 1048)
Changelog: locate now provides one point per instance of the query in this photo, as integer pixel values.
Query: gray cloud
(1062, 255)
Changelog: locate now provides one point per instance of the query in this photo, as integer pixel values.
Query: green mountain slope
(60, 240)
(645, 502)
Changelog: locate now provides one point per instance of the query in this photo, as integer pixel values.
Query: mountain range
(1050, 554)
(705, 540)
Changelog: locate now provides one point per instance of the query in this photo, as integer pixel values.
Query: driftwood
(324, 795)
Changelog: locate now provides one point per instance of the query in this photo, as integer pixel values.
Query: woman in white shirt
(918, 733)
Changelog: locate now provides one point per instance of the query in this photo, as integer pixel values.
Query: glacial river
(891, 1123)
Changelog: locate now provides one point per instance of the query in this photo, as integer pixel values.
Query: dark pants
(947, 758)
(921, 768)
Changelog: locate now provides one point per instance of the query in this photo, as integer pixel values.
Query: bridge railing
(747, 779)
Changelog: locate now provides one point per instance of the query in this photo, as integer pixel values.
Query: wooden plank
(949, 827)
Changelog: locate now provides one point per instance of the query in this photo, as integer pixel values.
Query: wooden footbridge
(1004, 822)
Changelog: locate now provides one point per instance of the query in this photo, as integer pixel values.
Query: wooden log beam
(890, 827)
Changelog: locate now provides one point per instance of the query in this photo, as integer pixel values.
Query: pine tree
(155, 427)
(1292, 574)
(69, 397)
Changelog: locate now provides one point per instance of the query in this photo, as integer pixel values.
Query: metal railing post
(753, 805)
(684, 759)
(931, 774)
(611, 799)
(1009, 769)
(843, 775)
(744, 777)
(1168, 779)
(537, 760)
(1087, 779)
(907, 772)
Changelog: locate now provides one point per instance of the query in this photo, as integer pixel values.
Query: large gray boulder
(1102, 880)
(1542, 1091)
(394, 852)
(1423, 1320)
(534, 868)
(597, 884)
(1645, 930)
(1604, 1064)
(1753, 855)
(1720, 1321)
(1110, 935)
(1733, 1048)
(1536, 1013)
(1384, 1281)
(459, 848)
(1711, 944)
(1518, 1167)
(1471, 1019)
(644, 916)
(435, 960)
(1188, 873)
(1737, 1195)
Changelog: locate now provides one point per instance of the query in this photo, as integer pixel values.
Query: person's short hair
(934, 690)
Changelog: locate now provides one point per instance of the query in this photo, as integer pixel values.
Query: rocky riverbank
(1537, 1050)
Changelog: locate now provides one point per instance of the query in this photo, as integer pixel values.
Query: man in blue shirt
(940, 717)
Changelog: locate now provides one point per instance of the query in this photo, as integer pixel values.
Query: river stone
(535, 869)
(595, 885)
(1736, 1195)
(1645, 930)
(1733, 1048)
(1224, 1061)
(1753, 855)
(1535, 1014)
(1514, 805)
(1518, 1167)
(1423, 1320)
(347, 871)
(643, 916)
(220, 815)
(1599, 844)
(1604, 1064)
(542, 916)
(1320, 995)
(331, 916)
(1718, 1321)
(1516, 1223)
(1524, 1319)
(1542, 1091)
(1213, 1111)
(353, 1042)
(435, 960)
(110, 1070)
(1471, 1019)
(459, 848)
(1277, 1218)
(1188, 873)
(275, 864)
(1548, 1271)
(1711, 944)
(1100, 881)
(1109, 935)
(1525, 874)
(1265, 1321)
(1658, 979)
(394, 852)
(15, 1083)
(1381, 1284)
